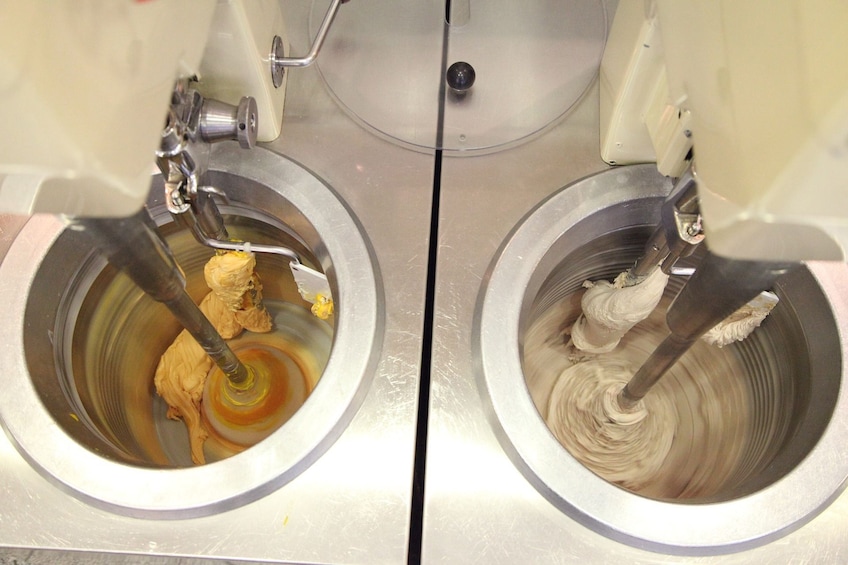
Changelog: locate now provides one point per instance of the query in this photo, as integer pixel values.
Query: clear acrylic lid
(386, 63)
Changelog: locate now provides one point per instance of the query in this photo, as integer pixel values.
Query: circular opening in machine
(85, 343)
(755, 449)
(109, 338)
(730, 416)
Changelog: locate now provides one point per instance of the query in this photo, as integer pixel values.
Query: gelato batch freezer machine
(452, 191)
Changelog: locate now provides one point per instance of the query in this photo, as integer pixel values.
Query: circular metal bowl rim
(680, 528)
(203, 490)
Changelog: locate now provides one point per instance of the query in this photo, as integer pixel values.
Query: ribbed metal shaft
(134, 245)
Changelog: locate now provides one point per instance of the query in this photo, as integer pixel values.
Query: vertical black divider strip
(416, 522)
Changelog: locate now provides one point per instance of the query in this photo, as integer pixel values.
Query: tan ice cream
(611, 309)
(741, 323)
(684, 440)
(626, 448)
(234, 304)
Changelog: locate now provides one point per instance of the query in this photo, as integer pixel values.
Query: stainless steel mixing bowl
(793, 462)
(81, 342)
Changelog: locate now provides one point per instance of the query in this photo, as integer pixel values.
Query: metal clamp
(679, 233)
(278, 59)
(681, 219)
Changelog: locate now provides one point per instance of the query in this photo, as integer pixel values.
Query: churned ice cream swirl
(611, 309)
(702, 407)
(626, 447)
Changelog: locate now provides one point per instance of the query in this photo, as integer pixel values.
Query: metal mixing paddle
(716, 290)
(134, 245)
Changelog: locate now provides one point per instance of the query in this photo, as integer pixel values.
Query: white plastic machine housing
(85, 88)
(758, 91)
(236, 62)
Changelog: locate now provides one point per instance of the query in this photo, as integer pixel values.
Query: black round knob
(460, 76)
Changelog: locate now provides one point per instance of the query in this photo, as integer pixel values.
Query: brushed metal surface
(38, 399)
(479, 507)
(795, 475)
(353, 504)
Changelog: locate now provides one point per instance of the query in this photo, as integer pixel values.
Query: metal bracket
(680, 231)
(278, 59)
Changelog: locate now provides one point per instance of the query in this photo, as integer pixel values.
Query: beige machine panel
(760, 90)
(115, 65)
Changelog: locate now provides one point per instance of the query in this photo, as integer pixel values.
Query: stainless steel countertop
(353, 504)
(478, 506)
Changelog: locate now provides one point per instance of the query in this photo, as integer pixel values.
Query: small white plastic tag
(310, 283)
